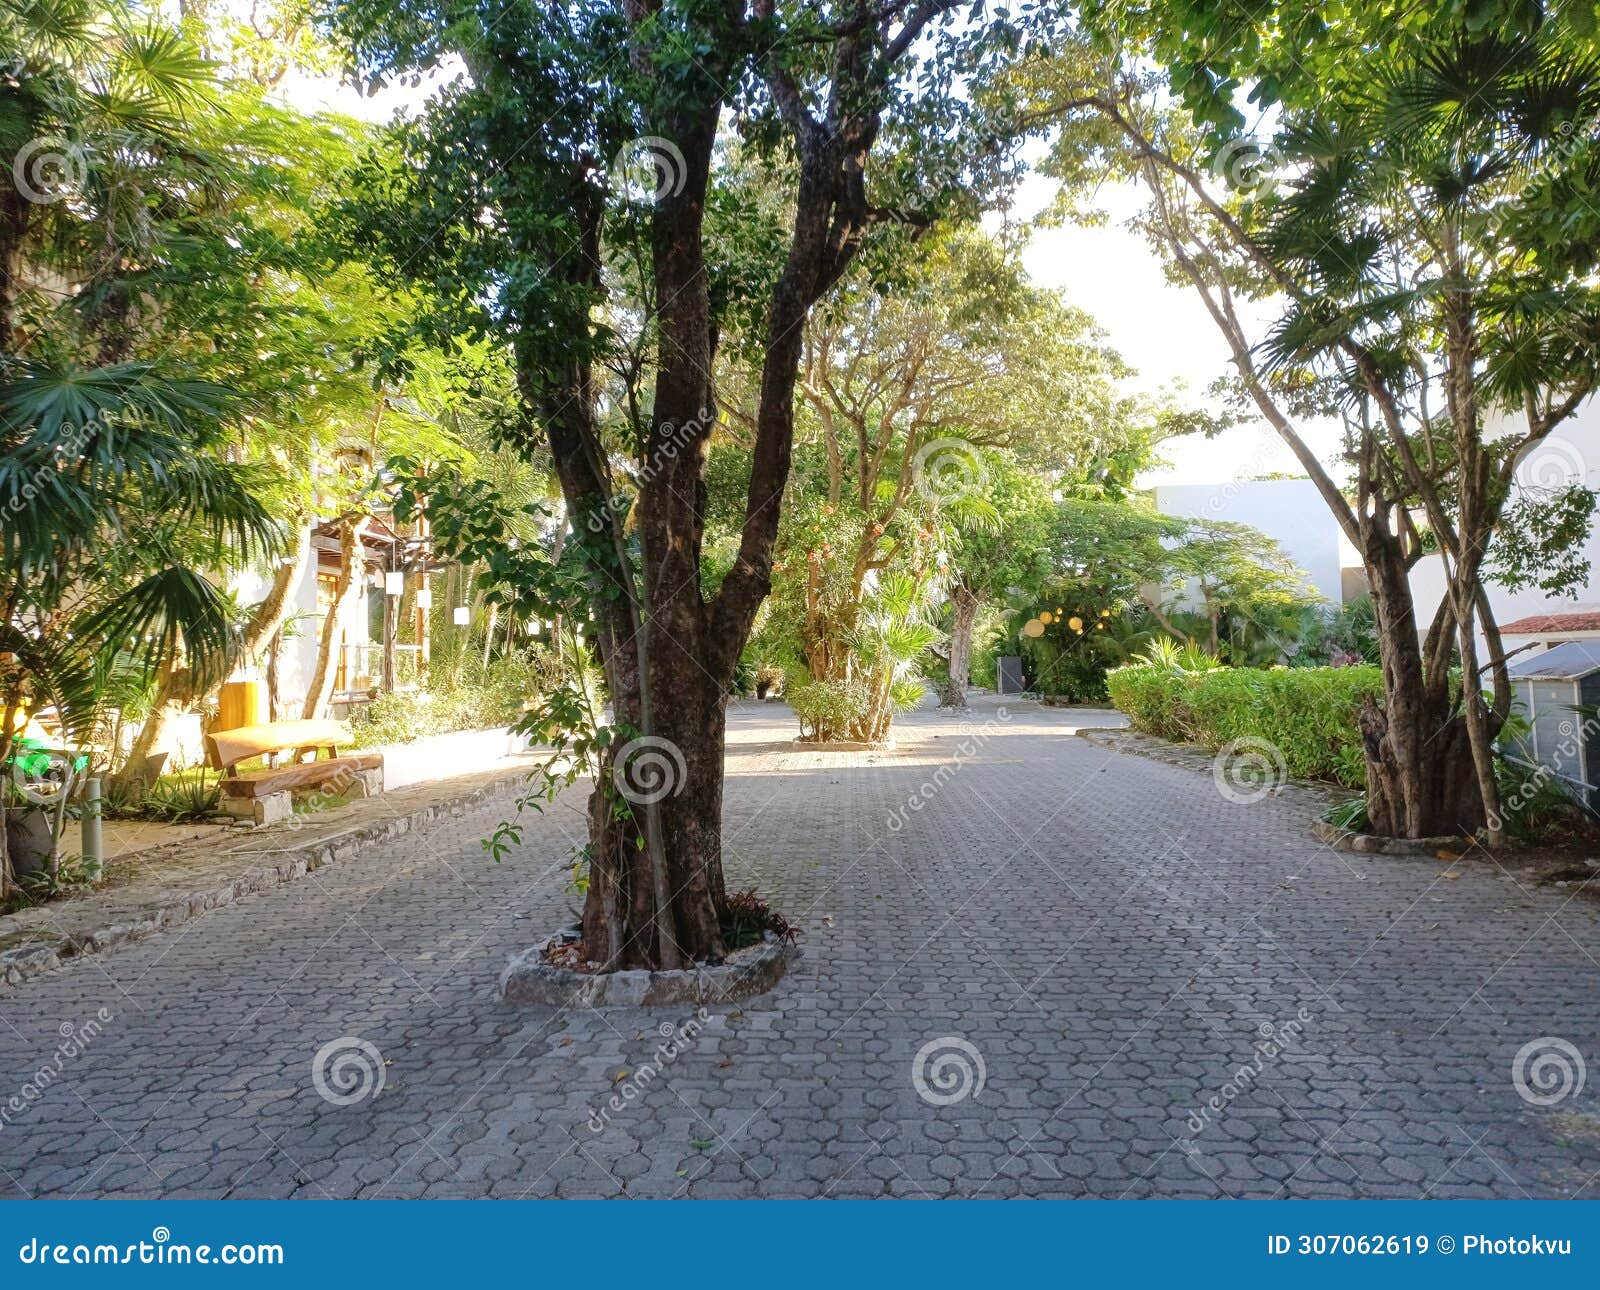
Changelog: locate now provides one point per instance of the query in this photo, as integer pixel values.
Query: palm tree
(117, 490)
(891, 633)
(96, 139)
(115, 499)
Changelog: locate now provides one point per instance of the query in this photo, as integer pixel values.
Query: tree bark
(351, 568)
(14, 212)
(964, 613)
(176, 691)
(668, 652)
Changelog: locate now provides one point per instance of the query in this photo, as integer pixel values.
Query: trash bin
(240, 703)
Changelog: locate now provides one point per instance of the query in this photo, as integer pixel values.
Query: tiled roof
(1539, 623)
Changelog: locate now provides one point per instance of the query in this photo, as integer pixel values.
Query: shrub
(827, 709)
(1309, 714)
(467, 696)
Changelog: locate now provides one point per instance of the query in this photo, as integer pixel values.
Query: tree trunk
(668, 650)
(1421, 780)
(274, 671)
(176, 690)
(350, 581)
(964, 613)
(14, 212)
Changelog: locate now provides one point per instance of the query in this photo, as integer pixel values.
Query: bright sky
(1160, 328)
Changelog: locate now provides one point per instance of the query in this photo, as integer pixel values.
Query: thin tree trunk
(176, 690)
(350, 581)
(14, 212)
(964, 613)
(274, 667)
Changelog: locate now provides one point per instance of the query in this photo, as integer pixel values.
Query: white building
(1290, 511)
(1531, 617)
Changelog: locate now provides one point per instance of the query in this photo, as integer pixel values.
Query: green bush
(827, 708)
(184, 795)
(466, 696)
(1309, 714)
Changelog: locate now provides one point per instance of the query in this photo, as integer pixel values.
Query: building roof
(1570, 661)
(1539, 624)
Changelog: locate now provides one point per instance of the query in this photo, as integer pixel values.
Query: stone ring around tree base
(755, 969)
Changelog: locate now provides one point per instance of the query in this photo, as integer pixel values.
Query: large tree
(518, 186)
(911, 392)
(1397, 223)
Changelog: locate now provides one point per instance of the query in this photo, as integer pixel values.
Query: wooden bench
(267, 796)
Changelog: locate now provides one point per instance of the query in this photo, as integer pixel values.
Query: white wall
(1570, 454)
(299, 657)
(1290, 511)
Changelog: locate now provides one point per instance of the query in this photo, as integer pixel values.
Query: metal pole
(94, 862)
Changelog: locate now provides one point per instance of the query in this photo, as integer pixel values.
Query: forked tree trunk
(964, 614)
(1420, 775)
(689, 641)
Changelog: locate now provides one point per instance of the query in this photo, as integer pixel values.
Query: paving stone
(1102, 934)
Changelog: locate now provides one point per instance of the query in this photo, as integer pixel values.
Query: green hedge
(1308, 713)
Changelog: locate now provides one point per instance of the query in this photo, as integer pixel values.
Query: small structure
(1549, 630)
(1008, 675)
(1559, 692)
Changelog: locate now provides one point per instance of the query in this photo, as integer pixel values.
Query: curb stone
(529, 978)
(24, 955)
(1202, 760)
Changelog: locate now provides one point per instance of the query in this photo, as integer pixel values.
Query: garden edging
(98, 922)
(531, 978)
(1202, 760)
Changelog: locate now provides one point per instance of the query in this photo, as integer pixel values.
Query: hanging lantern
(424, 598)
(394, 584)
(1045, 616)
(1076, 624)
(463, 616)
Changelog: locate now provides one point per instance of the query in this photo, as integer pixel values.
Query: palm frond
(170, 614)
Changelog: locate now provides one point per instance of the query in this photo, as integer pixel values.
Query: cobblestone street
(1067, 971)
